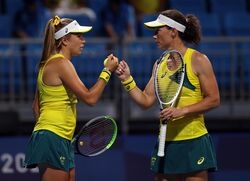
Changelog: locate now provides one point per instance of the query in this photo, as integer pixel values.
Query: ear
(64, 41)
(174, 33)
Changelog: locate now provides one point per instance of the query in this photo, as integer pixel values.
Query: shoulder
(200, 62)
(59, 63)
(199, 57)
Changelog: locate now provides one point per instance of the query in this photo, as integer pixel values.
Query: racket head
(96, 136)
(168, 77)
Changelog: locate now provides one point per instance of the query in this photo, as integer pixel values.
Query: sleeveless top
(187, 127)
(57, 107)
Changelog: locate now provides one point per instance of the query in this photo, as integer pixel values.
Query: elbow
(89, 99)
(216, 102)
(90, 102)
(145, 106)
(213, 100)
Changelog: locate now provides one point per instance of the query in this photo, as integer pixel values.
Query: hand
(123, 71)
(111, 63)
(171, 114)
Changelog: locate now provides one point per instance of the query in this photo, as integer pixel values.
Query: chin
(160, 47)
(79, 53)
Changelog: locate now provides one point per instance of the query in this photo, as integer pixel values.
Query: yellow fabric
(191, 126)
(105, 75)
(57, 107)
(129, 84)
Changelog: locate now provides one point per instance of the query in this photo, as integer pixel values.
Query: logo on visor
(66, 30)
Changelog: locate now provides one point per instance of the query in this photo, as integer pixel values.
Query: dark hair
(192, 33)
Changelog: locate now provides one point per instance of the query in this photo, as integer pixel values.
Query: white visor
(72, 27)
(163, 21)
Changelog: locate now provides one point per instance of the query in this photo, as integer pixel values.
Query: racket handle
(162, 140)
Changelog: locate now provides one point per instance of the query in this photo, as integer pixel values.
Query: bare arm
(35, 105)
(211, 97)
(62, 71)
(145, 98)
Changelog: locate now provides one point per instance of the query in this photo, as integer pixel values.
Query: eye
(79, 35)
(156, 31)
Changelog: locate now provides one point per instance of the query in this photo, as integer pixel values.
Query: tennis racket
(168, 80)
(96, 136)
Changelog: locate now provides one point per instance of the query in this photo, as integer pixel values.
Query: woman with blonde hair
(54, 106)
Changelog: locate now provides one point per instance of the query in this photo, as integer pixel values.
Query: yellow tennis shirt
(190, 126)
(57, 107)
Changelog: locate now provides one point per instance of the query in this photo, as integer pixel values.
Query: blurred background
(118, 28)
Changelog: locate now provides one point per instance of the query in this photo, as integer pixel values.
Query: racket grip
(162, 140)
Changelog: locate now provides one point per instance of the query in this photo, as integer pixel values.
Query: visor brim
(82, 29)
(154, 24)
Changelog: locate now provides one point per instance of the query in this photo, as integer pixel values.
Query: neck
(65, 53)
(178, 45)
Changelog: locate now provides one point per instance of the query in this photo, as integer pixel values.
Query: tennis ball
(81, 143)
(105, 61)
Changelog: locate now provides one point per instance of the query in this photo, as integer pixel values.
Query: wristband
(129, 84)
(105, 75)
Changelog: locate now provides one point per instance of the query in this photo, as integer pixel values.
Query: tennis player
(54, 106)
(189, 151)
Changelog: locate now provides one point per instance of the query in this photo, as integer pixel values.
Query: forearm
(96, 91)
(201, 107)
(35, 106)
(142, 98)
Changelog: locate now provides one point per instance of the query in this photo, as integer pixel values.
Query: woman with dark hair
(54, 106)
(189, 151)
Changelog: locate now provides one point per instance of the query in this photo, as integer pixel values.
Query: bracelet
(129, 84)
(105, 75)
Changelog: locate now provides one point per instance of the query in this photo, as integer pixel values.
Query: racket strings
(99, 124)
(96, 137)
(102, 128)
(168, 77)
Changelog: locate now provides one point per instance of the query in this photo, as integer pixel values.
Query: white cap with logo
(72, 27)
(165, 21)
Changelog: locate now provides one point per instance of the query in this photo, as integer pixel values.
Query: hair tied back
(56, 20)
